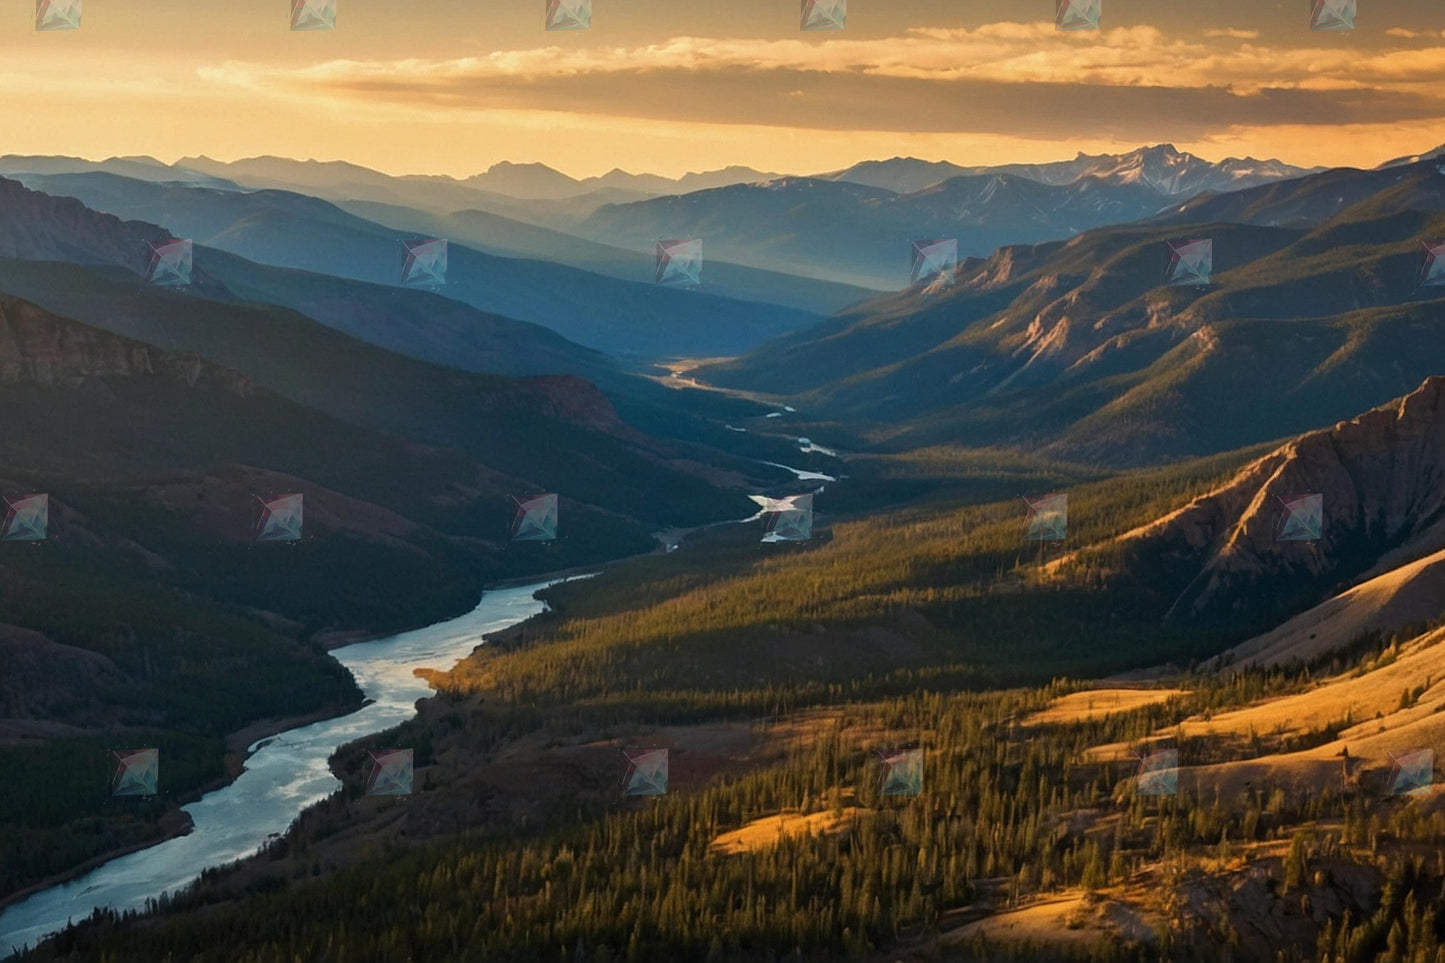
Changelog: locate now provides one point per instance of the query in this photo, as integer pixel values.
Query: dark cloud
(837, 101)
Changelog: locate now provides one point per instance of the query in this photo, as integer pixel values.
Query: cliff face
(1382, 477)
(39, 227)
(40, 348)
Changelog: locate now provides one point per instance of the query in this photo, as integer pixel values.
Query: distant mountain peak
(537, 166)
(1431, 154)
(1161, 167)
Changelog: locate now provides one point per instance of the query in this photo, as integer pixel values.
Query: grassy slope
(951, 587)
(521, 752)
(504, 423)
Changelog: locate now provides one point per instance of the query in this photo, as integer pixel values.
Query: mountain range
(1180, 419)
(1079, 349)
(805, 242)
(1163, 168)
(289, 230)
(860, 224)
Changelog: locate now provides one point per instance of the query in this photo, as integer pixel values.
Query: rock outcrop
(41, 348)
(1382, 478)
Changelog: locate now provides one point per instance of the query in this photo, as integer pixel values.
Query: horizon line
(177, 163)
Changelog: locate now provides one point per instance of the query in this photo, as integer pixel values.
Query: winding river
(285, 774)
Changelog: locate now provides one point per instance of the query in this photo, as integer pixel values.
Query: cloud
(1233, 33)
(1022, 79)
(1406, 34)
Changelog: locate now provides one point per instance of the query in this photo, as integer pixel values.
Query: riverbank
(287, 773)
(175, 821)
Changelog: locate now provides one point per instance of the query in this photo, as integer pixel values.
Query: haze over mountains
(1078, 348)
(1161, 167)
(847, 229)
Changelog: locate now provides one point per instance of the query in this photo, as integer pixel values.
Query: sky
(671, 86)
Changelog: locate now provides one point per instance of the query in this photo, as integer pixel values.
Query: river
(285, 774)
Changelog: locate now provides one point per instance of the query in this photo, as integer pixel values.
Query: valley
(929, 727)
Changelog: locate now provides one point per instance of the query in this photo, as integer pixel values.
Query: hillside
(776, 687)
(147, 613)
(507, 237)
(1382, 478)
(290, 230)
(1080, 351)
(850, 233)
(856, 226)
(529, 428)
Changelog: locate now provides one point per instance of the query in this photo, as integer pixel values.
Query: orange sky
(652, 89)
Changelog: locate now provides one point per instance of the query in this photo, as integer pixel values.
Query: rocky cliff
(41, 348)
(38, 227)
(1382, 478)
